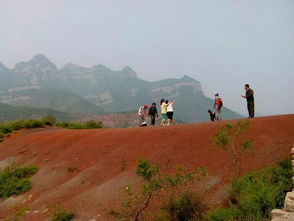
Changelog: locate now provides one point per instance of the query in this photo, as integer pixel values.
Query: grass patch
(8, 127)
(255, 195)
(17, 214)
(61, 215)
(15, 180)
(87, 125)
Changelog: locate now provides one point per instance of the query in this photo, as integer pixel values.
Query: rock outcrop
(287, 213)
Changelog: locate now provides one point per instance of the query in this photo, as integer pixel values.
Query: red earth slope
(85, 170)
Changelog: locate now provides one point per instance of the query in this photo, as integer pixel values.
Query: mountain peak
(40, 59)
(38, 62)
(130, 72)
(187, 78)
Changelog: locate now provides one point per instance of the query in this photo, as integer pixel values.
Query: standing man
(218, 103)
(152, 113)
(250, 100)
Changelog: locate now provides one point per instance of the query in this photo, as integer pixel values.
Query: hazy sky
(222, 43)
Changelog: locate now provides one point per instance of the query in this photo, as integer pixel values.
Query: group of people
(167, 113)
(218, 103)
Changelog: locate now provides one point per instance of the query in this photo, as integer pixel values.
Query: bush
(93, 124)
(88, 125)
(15, 180)
(256, 194)
(186, 207)
(49, 120)
(5, 129)
(62, 215)
(21, 124)
(223, 214)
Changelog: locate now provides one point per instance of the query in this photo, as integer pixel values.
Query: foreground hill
(98, 156)
(76, 89)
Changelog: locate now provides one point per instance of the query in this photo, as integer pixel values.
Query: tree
(227, 139)
(157, 183)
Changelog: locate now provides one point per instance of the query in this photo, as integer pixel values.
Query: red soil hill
(85, 170)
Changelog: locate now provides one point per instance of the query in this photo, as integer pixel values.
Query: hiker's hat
(145, 106)
(215, 93)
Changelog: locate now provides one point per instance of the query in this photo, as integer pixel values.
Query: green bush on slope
(254, 196)
(15, 180)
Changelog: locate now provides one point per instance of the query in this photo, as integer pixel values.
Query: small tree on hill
(227, 137)
(157, 183)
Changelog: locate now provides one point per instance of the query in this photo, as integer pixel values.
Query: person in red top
(218, 103)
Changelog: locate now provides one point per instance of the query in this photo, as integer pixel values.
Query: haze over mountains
(96, 90)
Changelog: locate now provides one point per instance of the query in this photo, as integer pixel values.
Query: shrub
(17, 214)
(87, 125)
(62, 215)
(5, 129)
(223, 214)
(256, 194)
(157, 184)
(49, 120)
(187, 206)
(93, 124)
(63, 124)
(15, 180)
(21, 124)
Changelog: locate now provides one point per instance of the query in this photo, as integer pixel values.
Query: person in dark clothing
(152, 113)
(249, 95)
(212, 115)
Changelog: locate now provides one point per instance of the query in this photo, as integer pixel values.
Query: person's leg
(164, 119)
(251, 109)
(152, 118)
(217, 117)
(140, 120)
(219, 114)
(171, 117)
(168, 118)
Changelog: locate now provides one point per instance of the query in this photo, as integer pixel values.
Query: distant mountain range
(98, 90)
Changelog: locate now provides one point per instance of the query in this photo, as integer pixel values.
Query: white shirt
(170, 108)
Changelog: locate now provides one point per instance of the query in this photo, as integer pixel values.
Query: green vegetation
(255, 195)
(8, 127)
(17, 214)
(49, 120)
(15, 180)
(186, 206)
(61, 215)
(165, 187)
(88, 125)
(227, 137)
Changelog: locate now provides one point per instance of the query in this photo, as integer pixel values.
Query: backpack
(219, 102)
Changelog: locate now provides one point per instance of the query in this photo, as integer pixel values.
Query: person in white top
(170, 111)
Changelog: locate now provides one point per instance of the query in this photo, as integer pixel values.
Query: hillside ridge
(97, 183)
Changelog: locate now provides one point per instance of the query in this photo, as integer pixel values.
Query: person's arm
(172, 102)
(156, 112)
(250, 93)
